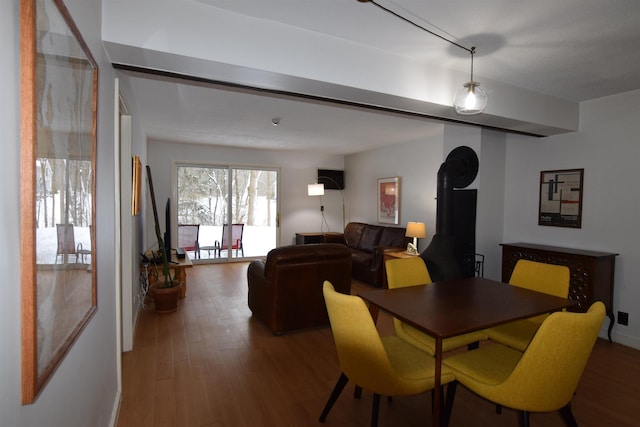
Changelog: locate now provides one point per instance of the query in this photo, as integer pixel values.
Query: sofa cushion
(353, 233)
(370, 238)
(393, 237)
(361, 257)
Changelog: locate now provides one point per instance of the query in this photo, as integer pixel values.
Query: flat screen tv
(332, 179)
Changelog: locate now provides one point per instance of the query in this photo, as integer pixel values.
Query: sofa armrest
(255, 272)
(259, 291)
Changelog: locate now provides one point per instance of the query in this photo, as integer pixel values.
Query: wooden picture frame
(136, 186)
(560, 203)
(58, 91)
(389, 200)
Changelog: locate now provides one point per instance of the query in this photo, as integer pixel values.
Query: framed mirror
(59, 85)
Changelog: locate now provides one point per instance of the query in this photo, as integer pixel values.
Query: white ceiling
(571, 49)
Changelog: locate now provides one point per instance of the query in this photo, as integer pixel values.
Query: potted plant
(166, 290)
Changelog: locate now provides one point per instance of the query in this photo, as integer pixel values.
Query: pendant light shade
(470, 98)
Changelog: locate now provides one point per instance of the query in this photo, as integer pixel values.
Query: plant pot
(166, 299)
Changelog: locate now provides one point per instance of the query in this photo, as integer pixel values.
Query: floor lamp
(317, 189)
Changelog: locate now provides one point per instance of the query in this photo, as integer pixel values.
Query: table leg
(437, 391)
(181, 276)
(373, 310)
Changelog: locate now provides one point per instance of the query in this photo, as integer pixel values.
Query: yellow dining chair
(383, 365)
(543, 378)
(402, 272)
(537, 276)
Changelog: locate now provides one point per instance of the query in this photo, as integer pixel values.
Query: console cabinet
(591, 272)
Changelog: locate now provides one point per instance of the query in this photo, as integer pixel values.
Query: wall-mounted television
(332, 179)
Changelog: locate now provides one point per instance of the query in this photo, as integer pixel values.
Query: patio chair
(188, 238)
(66, 242)
(236, 239)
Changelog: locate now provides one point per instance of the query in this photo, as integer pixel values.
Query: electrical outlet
(623, 318)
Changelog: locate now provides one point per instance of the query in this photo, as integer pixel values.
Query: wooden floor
(212, 364)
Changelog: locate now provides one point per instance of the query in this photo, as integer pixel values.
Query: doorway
(235, 207)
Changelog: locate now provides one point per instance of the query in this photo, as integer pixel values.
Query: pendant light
(470, 98)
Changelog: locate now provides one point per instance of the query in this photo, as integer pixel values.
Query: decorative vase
(166, 299)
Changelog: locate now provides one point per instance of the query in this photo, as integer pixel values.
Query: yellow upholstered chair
(543, 378)
(403, 272)
(548, 278)
(385, 366)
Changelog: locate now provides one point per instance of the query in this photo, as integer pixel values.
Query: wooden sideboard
(591, 272)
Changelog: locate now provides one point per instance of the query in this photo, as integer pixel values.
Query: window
(210, 195)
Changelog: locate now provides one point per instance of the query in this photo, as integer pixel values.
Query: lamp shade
(315, 189)
(416, 230)
(470, 99)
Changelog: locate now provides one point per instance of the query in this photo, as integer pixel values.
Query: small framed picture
(389, 200)
(561, 198)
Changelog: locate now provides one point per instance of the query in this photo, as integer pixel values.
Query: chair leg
(357, 392)
(523, 418)
(375, 410)
(448, 403)
(340, 384)
(567, 416)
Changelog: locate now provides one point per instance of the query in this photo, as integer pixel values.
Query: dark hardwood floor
(212, 364)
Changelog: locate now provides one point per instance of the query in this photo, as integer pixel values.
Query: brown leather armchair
(285, 291)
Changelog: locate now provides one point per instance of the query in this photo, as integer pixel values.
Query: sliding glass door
(236, 209)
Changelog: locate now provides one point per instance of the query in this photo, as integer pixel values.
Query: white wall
(416, 163)
(83, 391)
(132, 227)
(490, 210)
(298, 211)
(607, 148)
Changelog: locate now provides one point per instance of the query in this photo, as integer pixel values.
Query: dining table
(455, 307)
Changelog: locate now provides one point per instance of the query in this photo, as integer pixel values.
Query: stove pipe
(459, 170)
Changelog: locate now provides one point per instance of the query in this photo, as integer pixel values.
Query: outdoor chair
(188, 238)
(236, 239)
(66, 242)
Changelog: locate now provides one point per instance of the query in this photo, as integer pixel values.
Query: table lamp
(416, 230)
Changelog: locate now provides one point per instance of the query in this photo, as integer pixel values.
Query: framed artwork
(58, 106)
(136, 186)
(561, 198)
(389, 200)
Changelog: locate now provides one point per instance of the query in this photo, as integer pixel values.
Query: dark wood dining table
(446, 309)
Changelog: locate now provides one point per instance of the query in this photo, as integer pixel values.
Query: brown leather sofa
(285, 291)
(367, 244)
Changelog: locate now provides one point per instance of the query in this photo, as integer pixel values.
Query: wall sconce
(417, 230)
